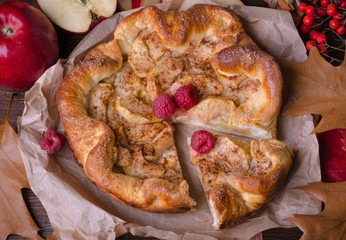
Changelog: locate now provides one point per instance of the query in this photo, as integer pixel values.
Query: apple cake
(124, 148)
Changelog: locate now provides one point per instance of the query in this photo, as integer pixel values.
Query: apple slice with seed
(77, 16)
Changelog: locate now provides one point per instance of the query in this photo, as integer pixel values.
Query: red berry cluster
(324, 26)
(185, 97)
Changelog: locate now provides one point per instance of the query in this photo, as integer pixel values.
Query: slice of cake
(239, 177)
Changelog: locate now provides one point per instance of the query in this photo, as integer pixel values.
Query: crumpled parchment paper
(77, 209)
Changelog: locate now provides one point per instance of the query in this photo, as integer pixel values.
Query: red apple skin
(92, 25)
(29, 50)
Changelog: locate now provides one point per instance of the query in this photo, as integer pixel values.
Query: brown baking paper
(77, 209)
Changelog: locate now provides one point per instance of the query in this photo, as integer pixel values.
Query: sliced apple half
(77, 16)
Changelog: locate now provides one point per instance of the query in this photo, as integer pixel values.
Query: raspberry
(186, 96)
(163, 106)
(52, 141)
(202, 141)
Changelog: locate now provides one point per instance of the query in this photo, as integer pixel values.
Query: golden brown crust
(187, 42)
(236, 193)
(258, 64)
(178, 29)
(92, 141)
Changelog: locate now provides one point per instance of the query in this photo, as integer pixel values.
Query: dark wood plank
(16, 107)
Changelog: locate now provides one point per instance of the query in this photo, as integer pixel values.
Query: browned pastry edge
(252, 61)
(92, 140)
(178, 28)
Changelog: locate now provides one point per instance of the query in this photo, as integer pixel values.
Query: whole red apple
(28, 45)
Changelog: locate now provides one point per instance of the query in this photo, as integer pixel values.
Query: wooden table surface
(67, 42)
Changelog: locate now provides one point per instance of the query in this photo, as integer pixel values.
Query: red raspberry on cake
(52, 141)
(202, 141)
(163, 106)
(186, 96)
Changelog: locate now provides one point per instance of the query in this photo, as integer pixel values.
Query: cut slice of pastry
(240, 177)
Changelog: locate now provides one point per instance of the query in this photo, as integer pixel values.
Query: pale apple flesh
(77, 15)
(104, 8)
